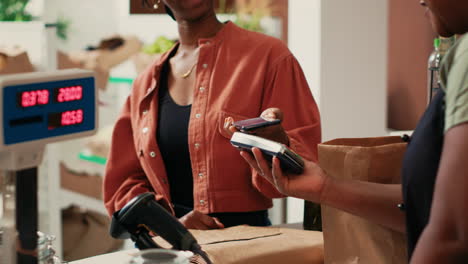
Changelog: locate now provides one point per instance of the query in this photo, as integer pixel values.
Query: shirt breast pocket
(222, 117)
(230, 171)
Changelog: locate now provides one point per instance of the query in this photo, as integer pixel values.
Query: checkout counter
(142, 216)
(243, 244)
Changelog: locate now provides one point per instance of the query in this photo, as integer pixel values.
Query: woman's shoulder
(454, 72)
(459, 52)
(241, 37)
(455, 62)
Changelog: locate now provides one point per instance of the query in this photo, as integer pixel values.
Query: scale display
(33, 98)
(42, 108)
(43, 96)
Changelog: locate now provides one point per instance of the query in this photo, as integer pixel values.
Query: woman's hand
(198, 220)
(275, 132)
(309, 185)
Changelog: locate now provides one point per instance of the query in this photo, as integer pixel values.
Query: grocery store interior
(366, 63)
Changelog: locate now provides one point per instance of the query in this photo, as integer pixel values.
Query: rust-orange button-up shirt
(239, 74)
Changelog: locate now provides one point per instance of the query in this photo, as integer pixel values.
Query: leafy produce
(160, 45)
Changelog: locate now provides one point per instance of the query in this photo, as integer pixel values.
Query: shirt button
(197, 145)
(145, 112)
(205, 65)
(145, 130)
(202, 202)
(198, 115)
(200, 175)
(202, 89)
(153, 154)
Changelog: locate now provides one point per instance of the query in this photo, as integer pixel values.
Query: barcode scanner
(143, 215)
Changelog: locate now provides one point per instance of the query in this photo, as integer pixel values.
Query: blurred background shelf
(69, 198)
(86, 156)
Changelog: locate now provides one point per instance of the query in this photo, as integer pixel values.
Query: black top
(420, 166)
(172, 138)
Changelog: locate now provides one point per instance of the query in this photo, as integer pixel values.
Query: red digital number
(72, 117)
(68, 94)
(32, 98)
(43, 97)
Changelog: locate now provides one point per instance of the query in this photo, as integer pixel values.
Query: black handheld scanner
(143, 214)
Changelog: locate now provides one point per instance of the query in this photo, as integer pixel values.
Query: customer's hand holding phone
(268, 126)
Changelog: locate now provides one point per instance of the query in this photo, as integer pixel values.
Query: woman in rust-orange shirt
(216, 70)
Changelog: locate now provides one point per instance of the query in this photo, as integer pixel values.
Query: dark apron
(420, 166)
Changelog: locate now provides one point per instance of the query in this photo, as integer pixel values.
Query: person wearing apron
(431, 206)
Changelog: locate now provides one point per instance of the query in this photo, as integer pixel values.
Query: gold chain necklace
(187, 74)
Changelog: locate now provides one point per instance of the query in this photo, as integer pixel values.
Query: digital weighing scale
(36, 109)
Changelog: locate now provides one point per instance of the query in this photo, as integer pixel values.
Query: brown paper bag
(243, 245)
(101, 61)
(108, 59)
(80, 182)
(14, 60)
(86, 234)
(348, 238)
(84, 60)
(259, 245)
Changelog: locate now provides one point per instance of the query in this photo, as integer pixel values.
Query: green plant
(160, 45)
(63, 25)
(14, 10)
(249, 22)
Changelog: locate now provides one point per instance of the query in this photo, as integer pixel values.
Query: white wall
(304, 30)
(353, 68)
(90, 20)
(93, 20)
(30, 36)
(342, 47)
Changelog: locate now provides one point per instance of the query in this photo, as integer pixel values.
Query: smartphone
(254, 123)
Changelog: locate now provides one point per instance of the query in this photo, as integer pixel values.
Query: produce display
(160, 45)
